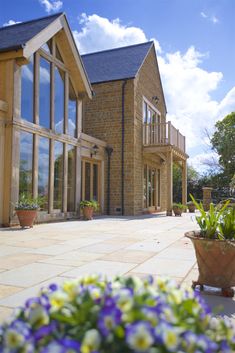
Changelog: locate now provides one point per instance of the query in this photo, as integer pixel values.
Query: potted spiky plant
(191, 207)
(26, 209)
(214, 246)
(178, 208)
(88, 207)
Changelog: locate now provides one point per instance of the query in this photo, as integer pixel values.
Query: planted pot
(191, 207)
(216, 262)
(26, 217)
(88, 213)
(88, 207)
(177, 211)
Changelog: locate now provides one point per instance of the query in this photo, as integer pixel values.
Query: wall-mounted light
(155, 99)
(94, 150)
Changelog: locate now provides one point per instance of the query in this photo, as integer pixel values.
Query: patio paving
(151, 244)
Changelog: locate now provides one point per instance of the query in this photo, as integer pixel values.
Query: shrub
(89, 203)
(180, 206)
(217, 223)
(125, 315)
(28, 203)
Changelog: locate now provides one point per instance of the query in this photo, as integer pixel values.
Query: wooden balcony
(163, 134)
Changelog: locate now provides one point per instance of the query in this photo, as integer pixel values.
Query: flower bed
(125, 315)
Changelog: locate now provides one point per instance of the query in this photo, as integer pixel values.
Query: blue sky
(195, 42)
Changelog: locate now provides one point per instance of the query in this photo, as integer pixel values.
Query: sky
(195, 48)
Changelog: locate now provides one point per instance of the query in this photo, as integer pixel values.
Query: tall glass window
(72, 112)
(47, 47)
(71, 178)
(95, 182)
(44, 93)
(87, 181)
(26, 163)
(58, 174)
(145, 186)
(27, 75)
(43, 170)
(59, 101)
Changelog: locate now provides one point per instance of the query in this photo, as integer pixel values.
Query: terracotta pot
(26, 217)
(191, 208)
(216, 262)
(177, 211)
(87, 213)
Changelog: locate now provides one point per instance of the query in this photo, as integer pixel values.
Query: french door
(151, 187)
(90, 180)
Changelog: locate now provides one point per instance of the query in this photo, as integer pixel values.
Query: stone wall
(102, 119)
(147, 84)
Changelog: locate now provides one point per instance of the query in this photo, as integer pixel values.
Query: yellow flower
(140, 340)
(13, 339)
(38, 316)
(95, 293)
(90, 279)
(170, 339)
(71, 288)
(175, 296)
(91, 341)
(58, 300)
(125, 300)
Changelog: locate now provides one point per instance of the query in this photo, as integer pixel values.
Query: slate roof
(16, 36)
(115, 64)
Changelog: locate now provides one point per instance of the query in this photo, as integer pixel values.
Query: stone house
(75, 128)
(43, 84)
(128, 111)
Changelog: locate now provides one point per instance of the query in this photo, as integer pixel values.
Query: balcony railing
(163, 134)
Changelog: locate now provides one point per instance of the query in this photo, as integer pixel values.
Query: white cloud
(10, 23)
(203, 14)
(187, 86)
(214, 19)
(99, 33)
(211, 18)
(51, 5)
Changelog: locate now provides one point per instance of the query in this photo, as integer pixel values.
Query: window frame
(23, 125)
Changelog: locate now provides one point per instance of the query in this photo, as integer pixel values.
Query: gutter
(109, 151)
(122, 149)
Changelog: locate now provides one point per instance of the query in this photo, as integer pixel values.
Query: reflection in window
(145, 186)
(27, 91)
(47, 47)
(26, 163)
(71, 178)
(43, 170)
(95, 182)
(58, 175)
(72, 119)
(87, 181)
(59, 101)
(44, 93)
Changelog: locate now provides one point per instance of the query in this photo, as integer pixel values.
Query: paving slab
(132, 256)
(19, 259)
(30, 275)
(165, 267)
(149, 244)
(105, 268)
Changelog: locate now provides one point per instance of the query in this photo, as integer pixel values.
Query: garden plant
(125, 315)
(215, 247)
(88, 207)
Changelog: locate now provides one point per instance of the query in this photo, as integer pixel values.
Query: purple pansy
(109, 318)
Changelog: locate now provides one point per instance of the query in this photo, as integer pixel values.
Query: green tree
(193, 183)
(223, 142)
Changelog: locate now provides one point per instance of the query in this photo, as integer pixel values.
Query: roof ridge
(118, 48)
(31, 21)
